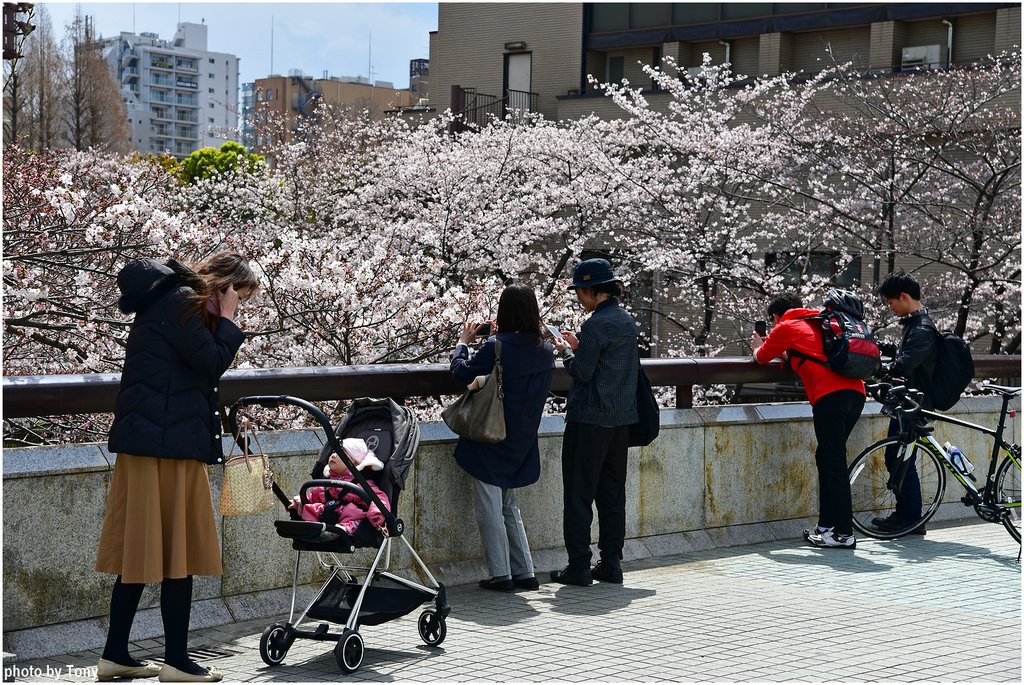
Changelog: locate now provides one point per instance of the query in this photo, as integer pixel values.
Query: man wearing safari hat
(601, 406)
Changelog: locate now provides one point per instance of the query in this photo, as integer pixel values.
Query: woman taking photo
(498, 469)
(159, 523)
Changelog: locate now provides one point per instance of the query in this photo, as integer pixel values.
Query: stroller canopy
(388, 428)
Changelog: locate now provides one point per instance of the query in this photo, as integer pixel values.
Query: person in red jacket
(836, 405)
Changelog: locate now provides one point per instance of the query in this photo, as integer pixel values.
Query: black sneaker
(892, 523)
(573, 576)
(607, 572)
(499, 584)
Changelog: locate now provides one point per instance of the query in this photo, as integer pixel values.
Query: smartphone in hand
(484, 330)
(556, 334)
(761, 328)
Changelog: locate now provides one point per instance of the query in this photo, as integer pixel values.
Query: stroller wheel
(349, 651)
(432, 628)
(274, 644)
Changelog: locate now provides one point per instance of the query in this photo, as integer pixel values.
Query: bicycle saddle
(1003, 389)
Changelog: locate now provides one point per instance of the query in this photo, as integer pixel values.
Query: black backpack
(954, 370)
(849, 346)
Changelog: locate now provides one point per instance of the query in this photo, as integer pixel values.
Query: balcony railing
(26, 396)
(477, 109)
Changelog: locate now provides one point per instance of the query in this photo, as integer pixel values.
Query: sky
(345, 39)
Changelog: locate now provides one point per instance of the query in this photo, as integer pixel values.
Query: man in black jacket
(915, 361)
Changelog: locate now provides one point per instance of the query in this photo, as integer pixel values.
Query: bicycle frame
(918, 436)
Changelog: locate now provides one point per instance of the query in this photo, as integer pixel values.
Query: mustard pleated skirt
(159, 521)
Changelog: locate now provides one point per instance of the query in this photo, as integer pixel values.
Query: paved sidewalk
(945, 607)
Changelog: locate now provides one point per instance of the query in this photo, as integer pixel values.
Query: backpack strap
(805, 357)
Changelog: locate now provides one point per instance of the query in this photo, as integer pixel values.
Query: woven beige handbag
(247, 478)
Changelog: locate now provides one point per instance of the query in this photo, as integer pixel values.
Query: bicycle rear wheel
(1007, 493)
(875, 500)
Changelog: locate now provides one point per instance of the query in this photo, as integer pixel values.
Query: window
(609, 16)
(649, 14)
(210, 90)
(211, 105)
(210, 119)
(270, 94)
(745, 10)
(212, 75)
(616, 68)
(211, 61)
(797, 267)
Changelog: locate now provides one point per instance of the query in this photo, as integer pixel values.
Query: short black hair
(783, 302)
(613, 288)
(900, 282)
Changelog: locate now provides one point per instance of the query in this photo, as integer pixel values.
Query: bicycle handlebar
(898, 397)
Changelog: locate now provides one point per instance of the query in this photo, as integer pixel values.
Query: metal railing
(476, 109)
(27, 396)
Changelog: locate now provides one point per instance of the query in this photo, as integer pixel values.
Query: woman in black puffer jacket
(159, 523)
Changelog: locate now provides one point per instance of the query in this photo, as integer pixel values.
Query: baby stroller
(392, 432)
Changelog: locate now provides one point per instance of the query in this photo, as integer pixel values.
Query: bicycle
(874, 488)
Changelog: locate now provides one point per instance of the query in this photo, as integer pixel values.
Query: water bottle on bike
(959, 459)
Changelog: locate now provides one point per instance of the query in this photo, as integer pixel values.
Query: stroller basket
(391, 432)
(384, 600)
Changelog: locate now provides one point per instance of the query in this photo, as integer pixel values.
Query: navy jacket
(604, 369)
(168, 403)
(527, 364)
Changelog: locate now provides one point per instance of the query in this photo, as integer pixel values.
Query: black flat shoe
(498, 584)
(573, 576)
(530, 583)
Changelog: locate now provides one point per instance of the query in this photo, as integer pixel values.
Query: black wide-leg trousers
(594, 472)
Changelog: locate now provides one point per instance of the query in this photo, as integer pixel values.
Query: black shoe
(892, 523)
(607, 572)
(498, 584)
(530, 583)
(573, 576)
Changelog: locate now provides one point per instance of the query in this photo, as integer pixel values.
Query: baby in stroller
(340, 507)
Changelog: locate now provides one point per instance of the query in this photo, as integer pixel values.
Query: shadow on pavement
(922, 550)
(854, 561)
(598, 599)
(492, 609)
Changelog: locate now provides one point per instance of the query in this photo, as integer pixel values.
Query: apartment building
(180, 96)
(492, 58)
(287, 100)
(540, 56)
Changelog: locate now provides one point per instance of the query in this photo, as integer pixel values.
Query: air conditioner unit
(921, 57)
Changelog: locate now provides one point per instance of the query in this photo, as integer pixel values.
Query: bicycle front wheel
(874, 495)
(1007, 493)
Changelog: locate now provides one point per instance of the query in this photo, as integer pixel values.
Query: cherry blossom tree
(375, 240)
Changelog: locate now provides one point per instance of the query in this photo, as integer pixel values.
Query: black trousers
(594, 471)
(835, 415)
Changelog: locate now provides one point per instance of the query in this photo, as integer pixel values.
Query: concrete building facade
(551, 49)
(180, 96)
(279, 103)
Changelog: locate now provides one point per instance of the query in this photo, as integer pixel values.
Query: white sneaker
(830, 538)
(817, 530)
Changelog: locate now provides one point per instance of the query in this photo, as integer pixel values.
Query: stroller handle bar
(394, 525)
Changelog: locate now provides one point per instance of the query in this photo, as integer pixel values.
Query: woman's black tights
(175, 610)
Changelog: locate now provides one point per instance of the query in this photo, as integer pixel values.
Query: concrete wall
(716, 476)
